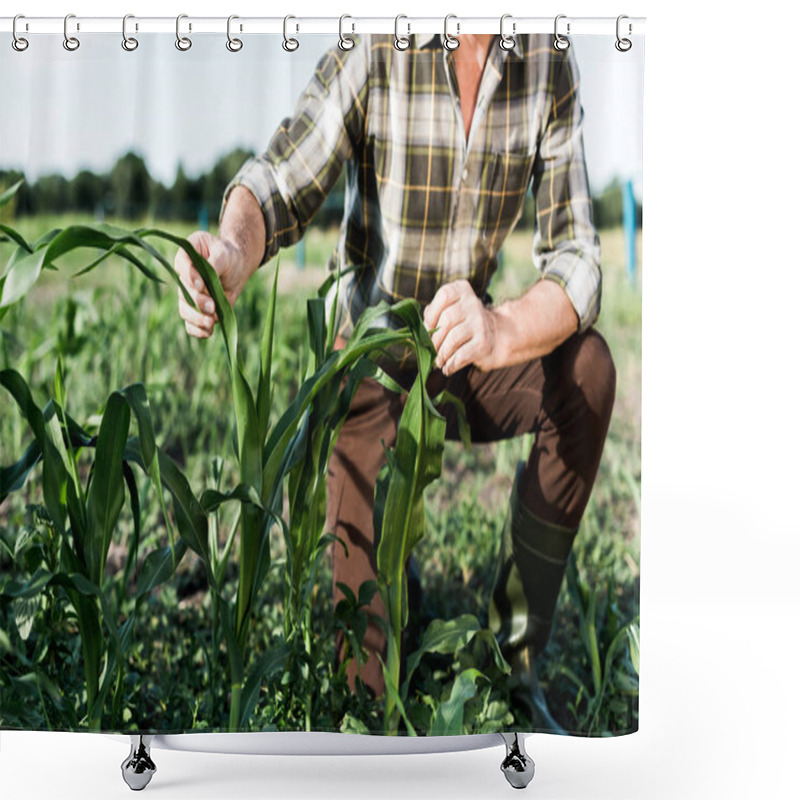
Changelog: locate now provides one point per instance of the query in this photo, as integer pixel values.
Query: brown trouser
(564, 398)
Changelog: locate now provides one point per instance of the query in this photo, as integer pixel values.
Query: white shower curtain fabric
(322, 386)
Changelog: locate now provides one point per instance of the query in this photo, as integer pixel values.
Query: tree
(130, 186)
(220, 176)
(51, 194)
(86, 192)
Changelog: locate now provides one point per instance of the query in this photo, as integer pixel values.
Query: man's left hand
(466, 330)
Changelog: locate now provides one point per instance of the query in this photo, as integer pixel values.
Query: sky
(63, 112)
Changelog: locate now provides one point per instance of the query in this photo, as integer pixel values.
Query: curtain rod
(190, 25)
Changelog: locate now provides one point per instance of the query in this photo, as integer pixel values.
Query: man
(440, 149)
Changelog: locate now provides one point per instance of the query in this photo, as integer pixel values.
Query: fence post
(629, 228)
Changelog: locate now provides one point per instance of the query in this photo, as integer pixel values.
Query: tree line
(129, 192)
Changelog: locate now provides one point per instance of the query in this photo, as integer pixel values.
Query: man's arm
(235, 255)
(273, 197)
(565, 250)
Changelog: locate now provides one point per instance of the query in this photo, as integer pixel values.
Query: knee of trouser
(594, 373)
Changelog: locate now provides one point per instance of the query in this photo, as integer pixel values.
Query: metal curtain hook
(507, 42)
(623, 45)
(70, 42)
(401, 42)
(560, 42)
(345, 42)
(289, 44)
(128, 42)
(181, 42)
(233, 44)
(18, 43)
(450, 42)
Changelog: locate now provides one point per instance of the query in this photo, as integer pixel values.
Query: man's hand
(229, 263)
(516, 331)
(466, 330)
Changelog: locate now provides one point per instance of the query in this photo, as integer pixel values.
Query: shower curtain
(321, 378)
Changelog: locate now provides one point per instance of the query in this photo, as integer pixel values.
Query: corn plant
(297, 447)
(84, 518)
(612, 651)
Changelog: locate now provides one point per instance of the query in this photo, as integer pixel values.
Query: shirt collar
(426, 40)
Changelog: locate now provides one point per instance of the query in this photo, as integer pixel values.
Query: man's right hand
(228, 262)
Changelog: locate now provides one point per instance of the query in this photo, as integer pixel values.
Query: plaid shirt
(423, 205)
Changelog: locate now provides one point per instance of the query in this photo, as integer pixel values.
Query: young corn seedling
(85, 516)
(297, 447)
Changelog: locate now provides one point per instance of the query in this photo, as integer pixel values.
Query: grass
(175, 680)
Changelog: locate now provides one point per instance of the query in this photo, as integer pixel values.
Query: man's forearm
(243, 226)
(534, 324)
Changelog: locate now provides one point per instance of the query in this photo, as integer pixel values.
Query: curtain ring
(70, 42)
(233, 44)
(450, 42)
(560, 42)
(128, 42)
(18, 42)
(401, 42)
(345, 42)
(183, 43)
(507, 42)
(623, 45)
(289, 44)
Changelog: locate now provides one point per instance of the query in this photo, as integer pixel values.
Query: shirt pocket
(506, 181)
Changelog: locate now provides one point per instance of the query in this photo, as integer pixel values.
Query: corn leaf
(54, 470)
(448, 718)
(9, 193)
(157, 567)
(269, 665)
(107, 491)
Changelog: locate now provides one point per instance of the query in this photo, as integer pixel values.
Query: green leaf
(464, 432)
(211, 499)
(443, 637)
(317, 332)
(158, 567)
(9, 193)
(448, 719)
(32, 587)
(24, 612)
(136, 398)
(633, 646)
(269, 665)
(351, 724)
(264, 389)
(133, 545)
(107, 490)
(391, 691)
(54, 475)
(15, 236)
(13, 477)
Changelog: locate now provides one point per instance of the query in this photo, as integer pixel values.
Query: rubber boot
(530, 569)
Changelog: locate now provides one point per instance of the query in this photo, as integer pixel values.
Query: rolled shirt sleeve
(305, 156)
(566, 248)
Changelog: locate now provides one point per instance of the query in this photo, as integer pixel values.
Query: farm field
(112, 328)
